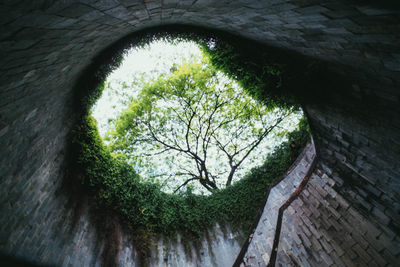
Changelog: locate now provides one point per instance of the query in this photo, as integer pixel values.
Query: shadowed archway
(46, 45)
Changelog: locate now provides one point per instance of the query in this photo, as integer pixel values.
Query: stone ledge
(257, 248)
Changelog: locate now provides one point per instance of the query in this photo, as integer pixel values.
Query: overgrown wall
(45, 45)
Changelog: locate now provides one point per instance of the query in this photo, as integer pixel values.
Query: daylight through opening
(184, 125)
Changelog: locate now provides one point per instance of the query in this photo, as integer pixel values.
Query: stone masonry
(260, 247)
(321, 228)
(45, 45)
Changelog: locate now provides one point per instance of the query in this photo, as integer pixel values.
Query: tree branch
(185, 183)
(253, 146)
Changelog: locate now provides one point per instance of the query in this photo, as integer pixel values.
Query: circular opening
(184, 125)
(116, 187)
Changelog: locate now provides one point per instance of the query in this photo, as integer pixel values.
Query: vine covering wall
(143, 208)
(47, 45)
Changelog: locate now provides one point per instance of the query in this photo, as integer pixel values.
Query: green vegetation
(113, 183)
(196, 127)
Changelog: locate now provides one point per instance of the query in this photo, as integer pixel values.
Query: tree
(193, 125)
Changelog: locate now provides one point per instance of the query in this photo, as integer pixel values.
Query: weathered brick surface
(262, 239)
(220, 251)
(326, 230)
(45, 45)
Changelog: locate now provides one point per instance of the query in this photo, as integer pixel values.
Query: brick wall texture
(321, 228)
(262, 239)
(349, 212)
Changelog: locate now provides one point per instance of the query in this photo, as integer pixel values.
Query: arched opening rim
(203, 138)
(141, 206)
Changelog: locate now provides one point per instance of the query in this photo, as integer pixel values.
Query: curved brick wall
(46, 44)
(262, 238)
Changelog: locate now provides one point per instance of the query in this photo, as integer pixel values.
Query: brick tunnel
(346, 214)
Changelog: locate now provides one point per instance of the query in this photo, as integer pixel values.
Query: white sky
(151, 61)
(148, 63)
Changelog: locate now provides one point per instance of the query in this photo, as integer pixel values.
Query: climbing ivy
(114, 185)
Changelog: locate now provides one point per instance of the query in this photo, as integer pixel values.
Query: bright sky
(147, 64)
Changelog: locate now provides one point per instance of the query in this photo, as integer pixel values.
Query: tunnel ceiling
(357, 35)
(46, 45)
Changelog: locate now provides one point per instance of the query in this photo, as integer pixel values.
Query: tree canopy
(118, 193)
(193, 127)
